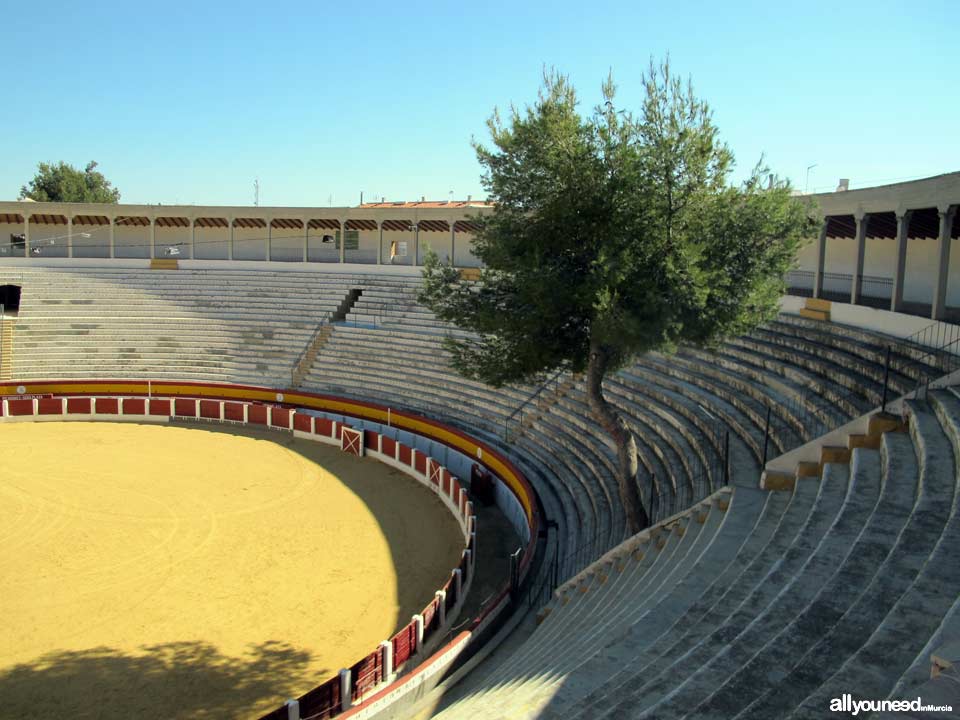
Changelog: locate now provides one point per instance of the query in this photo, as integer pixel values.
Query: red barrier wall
(80, 406)
(302, 422)
(404, 644)
(405, 454)
(366, 673)
(323, 426)
(210, 409)
(108, 406)
(446, 482)
(388, 446)
(159, 406)
(185, 408)
(280, 417)
(322, 702)
(371, 440)
(49, 406)
(257, 414)
(134, 406)
(233, 411)
(20, 407)
(421, 463)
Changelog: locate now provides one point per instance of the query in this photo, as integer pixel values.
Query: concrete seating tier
(758, 605)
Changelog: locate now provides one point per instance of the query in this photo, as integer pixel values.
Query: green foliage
(615, 230)
(61, 182)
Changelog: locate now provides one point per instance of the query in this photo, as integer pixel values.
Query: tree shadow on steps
(169, 681)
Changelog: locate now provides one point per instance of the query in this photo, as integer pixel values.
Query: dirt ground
(199, 572)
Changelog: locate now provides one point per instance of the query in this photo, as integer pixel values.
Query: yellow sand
(174, 572)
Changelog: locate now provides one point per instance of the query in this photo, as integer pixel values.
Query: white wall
(439, 242)
(398, 236)
(95, 246)
(210, 243)
(319, 251)
(131, 241)
(178, 237)
(249, 243)
(366, 251)
(286, 244)
(464, 251)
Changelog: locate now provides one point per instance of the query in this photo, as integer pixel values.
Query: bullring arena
(432, 547)
(250, 558)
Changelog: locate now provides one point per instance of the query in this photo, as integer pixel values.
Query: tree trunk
(605, 414)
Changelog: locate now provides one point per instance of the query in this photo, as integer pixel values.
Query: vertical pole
(900, 259)
(380, 242)
(70, 236)
(943, 262)
(453, 243)
(26, 236)
(861, 239)
(306, 239)
(193, 238)
(766, 440)
(112, 238)
(269, 240)
(886, 378)
(821, 257)
(726, 458)
(343, 240)
(153, 237)
(230, 245)
(416, 244)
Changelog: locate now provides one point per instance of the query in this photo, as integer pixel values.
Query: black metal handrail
(515, 418)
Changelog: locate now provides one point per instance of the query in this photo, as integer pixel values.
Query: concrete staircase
(305, 362)
(6, 348)
(759, 604)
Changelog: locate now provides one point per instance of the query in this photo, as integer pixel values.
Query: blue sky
(320, 101)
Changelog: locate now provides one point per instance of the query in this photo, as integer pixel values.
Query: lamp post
(806, 185)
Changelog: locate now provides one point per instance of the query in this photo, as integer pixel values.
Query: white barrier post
(469, 556)
(442, 594)
(418, 621)
(346, 702)
(293, 710)
(36, 406)
(387, 647)
(458, 583)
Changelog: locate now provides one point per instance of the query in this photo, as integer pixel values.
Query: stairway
(320, 337)
(6, 349)
(313, 349)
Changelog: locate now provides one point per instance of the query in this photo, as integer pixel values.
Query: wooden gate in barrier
(351, 441)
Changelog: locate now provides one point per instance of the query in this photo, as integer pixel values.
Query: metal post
(886, 378)
(726, 458)
(766, 439)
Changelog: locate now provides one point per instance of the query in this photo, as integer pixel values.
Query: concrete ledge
(818, 304)
(164, 264)
(777, 481)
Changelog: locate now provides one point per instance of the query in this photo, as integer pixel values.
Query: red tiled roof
(429, 204)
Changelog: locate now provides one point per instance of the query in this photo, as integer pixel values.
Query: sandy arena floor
(191, 572)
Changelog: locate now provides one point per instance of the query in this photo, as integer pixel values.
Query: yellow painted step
(164, 264)
(818, 304)
(815, 314)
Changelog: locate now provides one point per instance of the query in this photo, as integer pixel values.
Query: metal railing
(515, 419)
(306, 348)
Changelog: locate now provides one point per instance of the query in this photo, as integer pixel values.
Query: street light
(806, 186)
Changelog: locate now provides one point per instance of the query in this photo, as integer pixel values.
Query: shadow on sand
(173, 680)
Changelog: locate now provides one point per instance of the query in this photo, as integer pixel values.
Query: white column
(230, 246)
(111, 238)
(380, 242)
(442, 606)
(193, 238)
(453, 243)
(821, 257)
(900, 260)
(293, 709)
(306, 239)
(153, 237)
(387, 649)
(346, 702)
(269, 238)
(860, 238)
(943, 261)
(416, 244)
(70, 236)
(26, 236)
(343, 239)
